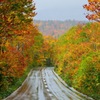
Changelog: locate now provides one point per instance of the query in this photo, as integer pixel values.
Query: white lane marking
(50, 95)
(45, 83)
(46, 86)
(48, 90)
(44, 80)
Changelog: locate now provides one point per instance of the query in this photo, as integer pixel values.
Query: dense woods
(77, 58)
(56, 28)
(20, 42)
(75, 54)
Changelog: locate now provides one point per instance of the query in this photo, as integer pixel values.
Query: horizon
(61, 20)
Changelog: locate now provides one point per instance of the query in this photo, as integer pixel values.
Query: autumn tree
(17, 38)
(48, 50)
(13, 15)
(77, 58)
(94, 7)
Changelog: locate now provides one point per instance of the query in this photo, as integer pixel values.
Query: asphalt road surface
(45, 84)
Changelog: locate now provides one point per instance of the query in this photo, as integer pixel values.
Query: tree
(17, 33)
(94, 7)
(48, 50)
(13, 16)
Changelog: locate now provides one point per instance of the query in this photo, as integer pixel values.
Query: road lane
(44, 85)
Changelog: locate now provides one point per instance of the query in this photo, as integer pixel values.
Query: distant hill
(56, 28)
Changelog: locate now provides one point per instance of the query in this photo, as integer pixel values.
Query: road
(45, 85)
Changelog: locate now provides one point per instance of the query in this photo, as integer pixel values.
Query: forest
(77, 58)
(56, 28)
(75, 55)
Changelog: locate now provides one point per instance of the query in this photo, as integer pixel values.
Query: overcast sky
(60, 9)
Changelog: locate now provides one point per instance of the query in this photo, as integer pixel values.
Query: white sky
(60, 9)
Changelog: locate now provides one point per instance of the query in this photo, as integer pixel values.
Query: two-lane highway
(44, 85)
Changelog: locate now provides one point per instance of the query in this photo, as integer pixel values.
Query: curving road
(45, 84)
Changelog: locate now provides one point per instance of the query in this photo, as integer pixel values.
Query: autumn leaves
(17, 40)
(77, 58)
(76, 54)
(94, 7)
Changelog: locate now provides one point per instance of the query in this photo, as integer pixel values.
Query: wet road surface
(45, 85)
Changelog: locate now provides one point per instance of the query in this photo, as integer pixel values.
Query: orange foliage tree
(17, 39)
(94, 7)
(48, 50)
(13, 16)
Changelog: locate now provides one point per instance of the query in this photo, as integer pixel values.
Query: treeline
(56, 28)
(77, 58)
(22, 46)
(20, 43)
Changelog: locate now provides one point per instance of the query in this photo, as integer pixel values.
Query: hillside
(77, 58)
(56, 28)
